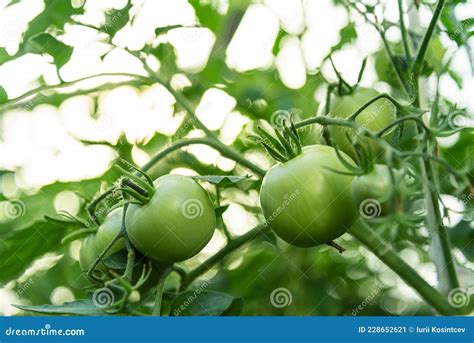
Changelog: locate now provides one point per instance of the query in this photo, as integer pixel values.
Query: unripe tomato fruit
(374, 118)
(134, 297)
(93, 245)
(177, 222)
(371, 191)
(305, 203)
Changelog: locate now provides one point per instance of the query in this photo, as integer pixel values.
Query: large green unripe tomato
(371, 192)
(305, 203)
(374, 118)
(93, 245)
(87, 253)
(108, 230)
(177, 222)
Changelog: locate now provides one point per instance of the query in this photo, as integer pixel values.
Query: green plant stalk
(434, 220)
(130, 251)
(393, 62)
(224, 252)
(223, 149)
(14, 101)
(371, 101)
(159, 291)
(420, 56)
(383, 251)
(403, 30)
(181, 100)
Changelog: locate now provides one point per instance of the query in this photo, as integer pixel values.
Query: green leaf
(205, 303)
(33, 208)
(117, 261)
(3, 96)
(222, 180)
(462, 237)
(56, 14)
(19, 249)
(44, 43)
(115, 20)
(83, 307)
(165, 29)
(220, 210)
(348, 33)
(456, 78)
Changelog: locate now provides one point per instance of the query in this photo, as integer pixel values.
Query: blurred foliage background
(235, 62)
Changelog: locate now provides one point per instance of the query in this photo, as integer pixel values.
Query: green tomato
(87, 254)
(374, 118)
(177, 222)
(134, 297)
(108, 230)
(305, 203)
(371, 191)
(93, 245)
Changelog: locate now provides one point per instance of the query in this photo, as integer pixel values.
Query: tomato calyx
(283, 144)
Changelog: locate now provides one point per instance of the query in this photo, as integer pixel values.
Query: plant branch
(223, 149)
(180, 99)
(403, 30)
(420, 56)
(14, 101)
(223, 253)
(384, 252)
(371, 101)
(159, 290)
(434, 220)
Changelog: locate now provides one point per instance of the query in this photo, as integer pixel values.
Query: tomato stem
(379, 247)
(159, 290)
(336, 246)
(397, 105)
(231, 246)
(224, 150)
